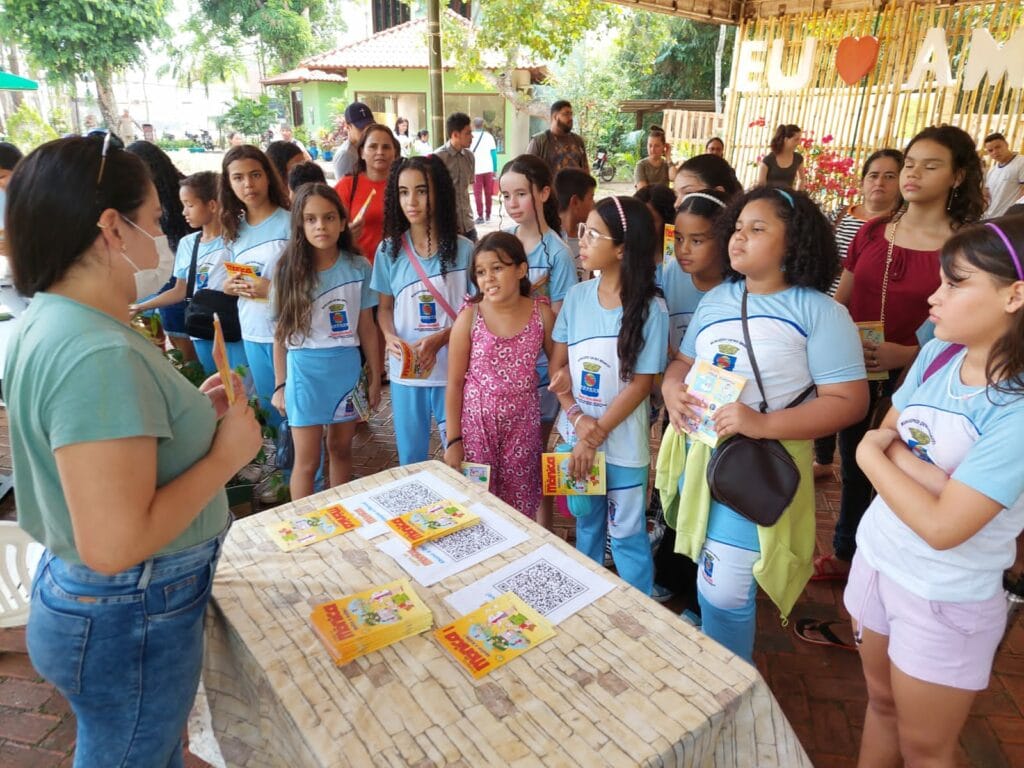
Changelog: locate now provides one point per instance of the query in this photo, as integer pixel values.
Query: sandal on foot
(828, 568)
(820, 633)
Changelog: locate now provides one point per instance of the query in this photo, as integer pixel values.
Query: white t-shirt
(417, 312)
(342, 292)
(260, 247)
(592, 335)
(481, 146)
(1004, 183)
(210, 272)
(800, 337)
(973, 439)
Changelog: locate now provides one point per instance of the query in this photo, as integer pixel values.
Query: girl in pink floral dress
(492, 405)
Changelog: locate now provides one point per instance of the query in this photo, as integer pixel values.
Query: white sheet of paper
(395, 498)
(437, 560)
(553, 583)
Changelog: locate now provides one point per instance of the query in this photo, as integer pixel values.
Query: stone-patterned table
(625, 682)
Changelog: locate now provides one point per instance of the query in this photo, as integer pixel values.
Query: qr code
(467, 542)
(405, 498)
(543, 586)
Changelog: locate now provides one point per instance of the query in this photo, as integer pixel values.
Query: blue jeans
(125, 651)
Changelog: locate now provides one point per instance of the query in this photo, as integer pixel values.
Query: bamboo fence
(877, 111)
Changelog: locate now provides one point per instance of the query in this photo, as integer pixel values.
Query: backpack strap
(940, 361)
(192, 269)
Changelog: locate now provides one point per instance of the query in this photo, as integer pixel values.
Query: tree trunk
(502, 82)
(14, 68)
(105, 98)
(719, 55)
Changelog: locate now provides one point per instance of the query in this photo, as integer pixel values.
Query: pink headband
(1009, 247)
(622, 214)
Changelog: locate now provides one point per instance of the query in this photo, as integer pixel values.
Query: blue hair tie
(785, 194)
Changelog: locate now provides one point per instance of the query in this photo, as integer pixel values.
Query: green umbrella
(9, 82)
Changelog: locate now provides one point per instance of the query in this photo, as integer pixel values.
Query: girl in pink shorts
(925, 587)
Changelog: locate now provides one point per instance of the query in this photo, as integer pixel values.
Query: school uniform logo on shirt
(920, 439)
(202, 277)
(708, 567)
(590, 381)
(613, 509)
(338, 317)
(428, 311)
(725, 357)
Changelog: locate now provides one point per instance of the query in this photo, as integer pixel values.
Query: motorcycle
(601, 167)
(201, 139)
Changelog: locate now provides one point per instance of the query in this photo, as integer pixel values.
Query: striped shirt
(848, 226)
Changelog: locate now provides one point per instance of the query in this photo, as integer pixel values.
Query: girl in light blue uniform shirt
(925, 587)
(610, 342)
(256, 225)
(420, 225)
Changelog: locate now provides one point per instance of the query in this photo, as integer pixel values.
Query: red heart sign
(855, 57)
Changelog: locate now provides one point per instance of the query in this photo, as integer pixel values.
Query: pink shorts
(944, 643)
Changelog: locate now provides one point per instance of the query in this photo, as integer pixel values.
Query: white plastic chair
(19, 557)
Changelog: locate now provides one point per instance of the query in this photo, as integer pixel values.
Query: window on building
(388, 107)
(489, 106)
(297, 115)
(388, 14)
(461, 8)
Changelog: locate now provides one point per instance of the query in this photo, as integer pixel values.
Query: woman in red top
(891, 269)
(377, 150)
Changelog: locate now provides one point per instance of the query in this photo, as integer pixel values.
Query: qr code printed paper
(544, 586)
(552, 582)
(404, 498)
(468, 541)
(396, 498)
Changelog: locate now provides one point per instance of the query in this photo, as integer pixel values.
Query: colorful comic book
(669, 245)
(873, 331)
(494, 634)
(246, 271)
(312, 527)
(717, 386)
(411, 368)
(369, 620)
(479, 474)
(556, 481)
(432, 521)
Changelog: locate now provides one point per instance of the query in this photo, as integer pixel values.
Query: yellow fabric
(671, 459)
(787, 548)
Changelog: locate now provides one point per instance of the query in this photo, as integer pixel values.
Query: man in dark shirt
(558, 146)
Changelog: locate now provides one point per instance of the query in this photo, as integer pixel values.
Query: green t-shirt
(75, 375)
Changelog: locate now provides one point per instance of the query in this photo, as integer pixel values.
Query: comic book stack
(432, 521)
(364, 622)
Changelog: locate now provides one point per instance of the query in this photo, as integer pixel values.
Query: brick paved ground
(820, 689)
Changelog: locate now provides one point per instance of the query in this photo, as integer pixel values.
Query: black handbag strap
(192, 268)
(753, 362)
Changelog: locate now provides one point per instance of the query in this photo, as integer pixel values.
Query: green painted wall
(317, 96)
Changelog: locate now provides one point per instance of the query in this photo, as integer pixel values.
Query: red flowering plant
(829, 176)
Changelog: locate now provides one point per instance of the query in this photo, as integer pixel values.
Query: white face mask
(150, 281)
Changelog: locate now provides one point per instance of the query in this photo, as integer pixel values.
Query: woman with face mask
(120, 463)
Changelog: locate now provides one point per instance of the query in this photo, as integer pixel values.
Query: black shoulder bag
(756, 477)
(199, 308)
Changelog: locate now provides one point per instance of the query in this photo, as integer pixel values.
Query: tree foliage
(250, 116)
(284, 27)
(72, 38)
(201, 53)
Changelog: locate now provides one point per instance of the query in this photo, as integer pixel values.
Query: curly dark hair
(296, 278)
(440, 208)
(980, 246)
(167, 179)
(967, 199)
(811, 258)
(231, 208)
(661, 198)
(637, 274)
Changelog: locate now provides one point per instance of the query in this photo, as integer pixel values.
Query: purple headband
(1009, 247)
(622, 214)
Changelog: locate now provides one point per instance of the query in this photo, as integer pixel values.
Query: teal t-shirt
(75, 375)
